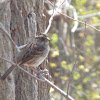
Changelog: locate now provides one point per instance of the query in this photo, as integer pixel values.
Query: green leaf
(85, 80)
(93, 74)
(95, 58)
(52, 65)
(64, 78)
(54, 38)
(79, 86)
(64, 64)
(88, 50)
(90, 41)
(76, 76)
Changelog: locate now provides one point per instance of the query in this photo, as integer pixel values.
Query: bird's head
(42, 39)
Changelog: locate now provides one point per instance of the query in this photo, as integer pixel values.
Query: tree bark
(22, 19)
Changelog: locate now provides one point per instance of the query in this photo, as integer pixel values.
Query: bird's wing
(31, 52)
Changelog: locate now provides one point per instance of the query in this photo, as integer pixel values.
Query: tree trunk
(22, 19)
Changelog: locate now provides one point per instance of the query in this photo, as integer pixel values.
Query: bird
(32, 55)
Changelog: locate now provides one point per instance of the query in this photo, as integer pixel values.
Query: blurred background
(74, 59)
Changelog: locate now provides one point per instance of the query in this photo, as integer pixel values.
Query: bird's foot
(37, 72)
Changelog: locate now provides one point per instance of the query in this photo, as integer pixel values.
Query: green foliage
(76, 75)
(95, 58)
(90, 40)
(64, 78)
(64, 64)
(80, 4)
(98, 72)
(52, 65)
(54, 40)
(95, 20)
(88, 50)
(87, 79)
(79, 86)
(93, 74)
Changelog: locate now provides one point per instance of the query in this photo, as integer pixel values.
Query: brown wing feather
(32, 52)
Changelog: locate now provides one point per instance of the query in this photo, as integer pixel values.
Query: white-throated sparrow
(33, 54)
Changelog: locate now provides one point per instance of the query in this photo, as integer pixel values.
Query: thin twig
(43, 79)
(82, 28)
(50, 20)
(85, 33)
(62, 3)
(22, 46)
(71, 74)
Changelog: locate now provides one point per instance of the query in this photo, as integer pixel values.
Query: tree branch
(71, 76)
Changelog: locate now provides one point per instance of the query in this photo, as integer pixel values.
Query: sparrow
(33, 54)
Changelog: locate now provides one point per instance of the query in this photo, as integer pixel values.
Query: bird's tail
(7, 72)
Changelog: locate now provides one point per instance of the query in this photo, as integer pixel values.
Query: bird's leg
(36, 71)
(44, 73)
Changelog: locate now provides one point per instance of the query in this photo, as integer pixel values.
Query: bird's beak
(48, 39)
